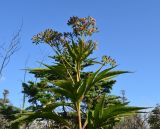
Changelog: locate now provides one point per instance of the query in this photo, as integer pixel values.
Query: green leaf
(46, 115)
(64, 84)
(98, 112)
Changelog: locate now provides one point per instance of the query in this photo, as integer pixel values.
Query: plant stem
(79, 115)
(78, 71)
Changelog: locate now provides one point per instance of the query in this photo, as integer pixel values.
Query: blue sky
(129, 31)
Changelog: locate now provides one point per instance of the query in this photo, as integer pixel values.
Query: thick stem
(79, 115)
(78, 71)
(78, 68)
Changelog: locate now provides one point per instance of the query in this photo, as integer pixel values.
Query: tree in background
(154, 118)
(67, 93)
(7, 111)
(7, 50)
(136, 121)
(123, 96)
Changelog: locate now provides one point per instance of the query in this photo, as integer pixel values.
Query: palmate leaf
(51, 107)
(106, 75)
(38, 71)
(89, 62)
(30, 116)
(86, 84)
(90, 81)
(64, 93)
(52, 72)
(75, 49)
(117, 112)
(89, 47)
(81, 50)
(64, 84)
(47, 112)
(66, 88)
(70, 51)
(102, 116)
(99, 109)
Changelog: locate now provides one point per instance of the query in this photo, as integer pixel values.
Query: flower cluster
(48, 36)
(83, 26)
(108, 60)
